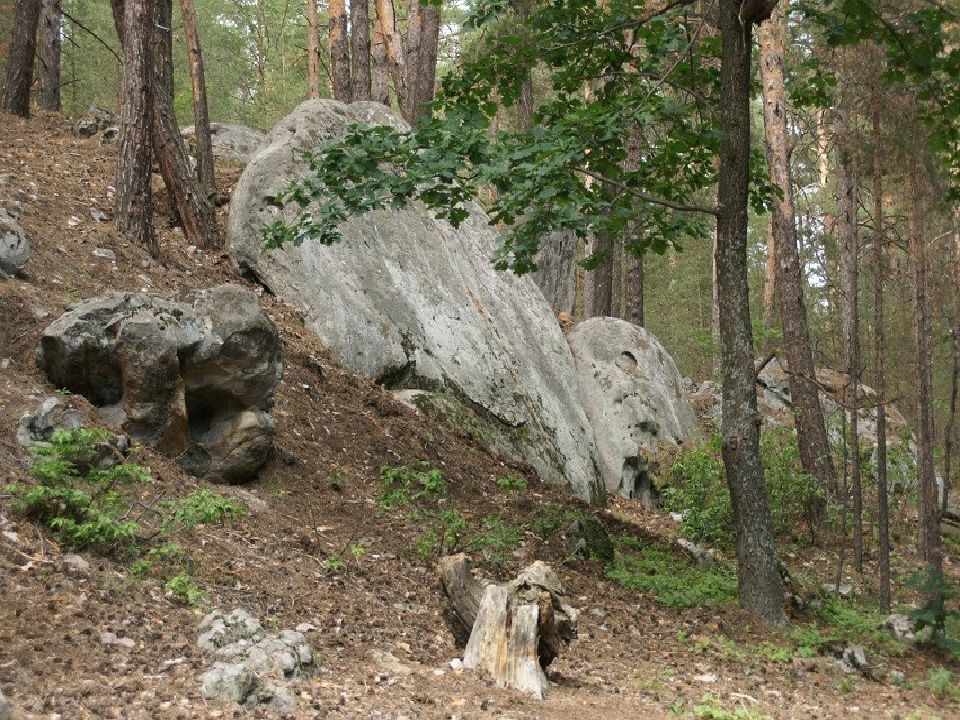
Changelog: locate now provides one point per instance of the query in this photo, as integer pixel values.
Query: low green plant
(512, 482)
(671, 579)
(182, 587)
(167, 552)
(550, 517)
(336, 482)
(140, 567)
(711, 708)
(774, 653)
(358, 550)
(403, 484)
(84, 505)
(333, 562)
(938, 611)
(496, 539)
(941, 685)
(447, 528)
(201, 507)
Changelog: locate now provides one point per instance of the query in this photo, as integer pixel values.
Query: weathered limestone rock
(634, 398)
(193, 377)
(253, 667)
(236, 143)
(414, 303)
(556, 273)
(53, 413)
(14, 245)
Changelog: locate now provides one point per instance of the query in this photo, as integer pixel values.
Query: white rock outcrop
(634, 398)
(414, 303)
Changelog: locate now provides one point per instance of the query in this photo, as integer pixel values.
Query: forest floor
(293, 558)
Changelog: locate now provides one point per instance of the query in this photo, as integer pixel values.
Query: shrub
(83, 504)
(496, 539)
(182, 587)
(201, 507)
(672, 580)
(512, 482)
(404, 484)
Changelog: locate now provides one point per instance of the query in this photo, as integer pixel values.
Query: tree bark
(426, 72)
(134, 207)
(600, 279)
(380, 91)
(201, 117)
(929, 530)
(340, 52)
(49, 46)
(23, 46)
(770, 267)
(360, 49)
(393, 49)
(760, 587)
(313, 50)
(848, 241)
(812, 439)
(194, 210)
(633, 279)
(879, 270)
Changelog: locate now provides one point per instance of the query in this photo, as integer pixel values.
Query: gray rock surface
(252, 667)
(5, 711)
(412, 302)
(14, 244)
(193, 376)
(53, 413)
(634, 398)
(236, 143)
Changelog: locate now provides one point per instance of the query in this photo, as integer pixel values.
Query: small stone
(4, 708)
(844, 590)
(76, 563)
(900, 626)
(128, 643)
(73, 221)
(700, 555)
(109, 135)
(106, 254)
(108, 638)
(896, 677)
(98, 214)
(85, 128)
(706, 678)
(456, 664)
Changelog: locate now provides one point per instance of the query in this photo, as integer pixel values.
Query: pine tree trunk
(770, 268)
(760, 586)
(393, 50)
(193, 208)
(313, 50)
(134, 207)
(340, 51)
(929, 531)
(616, 279)
(633, 280)
(847, 239)
(201, 117)
(380, 92)
(426, 78)
(49, 46)
(812, 438)
(23, 46)
(879, 270)
(360, 49)
(600, 279)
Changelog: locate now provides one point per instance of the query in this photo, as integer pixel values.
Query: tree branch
(679, 207)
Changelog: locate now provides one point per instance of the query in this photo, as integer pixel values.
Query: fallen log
(518, 628)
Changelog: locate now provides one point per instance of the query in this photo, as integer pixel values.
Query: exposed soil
(315, 499)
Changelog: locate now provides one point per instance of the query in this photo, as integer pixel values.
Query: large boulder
(191, 376)
(14, 245)
(635, 400)
(410, 301)
(235, 143)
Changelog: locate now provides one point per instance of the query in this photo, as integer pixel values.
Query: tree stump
(518, 628)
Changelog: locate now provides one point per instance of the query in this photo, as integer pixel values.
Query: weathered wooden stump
(517, 629)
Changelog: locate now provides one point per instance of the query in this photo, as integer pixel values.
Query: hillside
(315, 548)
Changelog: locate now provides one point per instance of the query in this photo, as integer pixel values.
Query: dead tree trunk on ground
(518, 628)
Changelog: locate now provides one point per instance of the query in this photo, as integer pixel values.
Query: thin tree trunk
(23, 47)
(360, 49)
(848, 241)
(769, 271)
(394, 52)
(616, 279)
(633, 311)
(759, 582)
(948, 430)
(49, 46)
(879, 270)
(380, 92)
(193, 208)
(600, 279)
(426, 78)
(929, 531)
(313, 50)
(134, 207)
(340, 51)
(201, 117)
(812, 439)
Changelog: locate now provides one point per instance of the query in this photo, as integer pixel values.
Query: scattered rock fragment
(844, 590)
(253, 667)
(53, 413)
(14, 245)
(701, 556)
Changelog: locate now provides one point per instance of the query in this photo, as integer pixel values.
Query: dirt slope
(316, 498)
